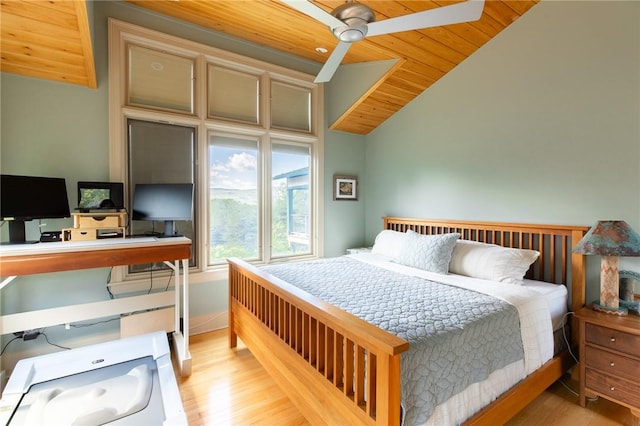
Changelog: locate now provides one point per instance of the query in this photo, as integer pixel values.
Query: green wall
(56, 129)
(541, 125)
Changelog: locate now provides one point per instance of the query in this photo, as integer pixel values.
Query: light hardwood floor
(229, 387)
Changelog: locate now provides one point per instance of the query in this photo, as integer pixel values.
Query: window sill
(216, 273)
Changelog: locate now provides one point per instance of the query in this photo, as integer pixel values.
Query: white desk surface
(73, 246)
(27, 259)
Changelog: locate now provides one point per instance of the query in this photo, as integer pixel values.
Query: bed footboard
(335, 367)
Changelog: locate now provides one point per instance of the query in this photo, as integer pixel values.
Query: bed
(340, 369)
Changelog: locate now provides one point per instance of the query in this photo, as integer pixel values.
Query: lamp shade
(610, 238)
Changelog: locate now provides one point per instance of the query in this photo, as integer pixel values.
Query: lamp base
(621, 311)
(632, 306)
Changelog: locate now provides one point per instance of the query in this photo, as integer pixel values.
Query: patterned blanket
(457, 337)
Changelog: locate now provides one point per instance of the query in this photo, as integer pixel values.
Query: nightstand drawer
(613, 339)
(617, 389)
(609, 363)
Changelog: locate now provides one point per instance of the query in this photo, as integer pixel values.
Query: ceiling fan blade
(332, 63)
(471, 10)
(315, 12)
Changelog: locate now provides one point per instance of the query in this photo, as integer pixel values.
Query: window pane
(161, 80)
(160, 153)
(233, 95)
(290, 107)
(290, 200)
(233, 197)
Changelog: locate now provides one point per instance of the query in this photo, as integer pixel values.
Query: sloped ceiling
(51, 39)
(47, 39)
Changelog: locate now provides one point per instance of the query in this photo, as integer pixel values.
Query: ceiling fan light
(351, 33)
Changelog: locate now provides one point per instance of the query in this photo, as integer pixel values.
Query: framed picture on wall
(345, 187)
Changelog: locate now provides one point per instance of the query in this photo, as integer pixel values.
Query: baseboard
(208, 322)
(147, 322)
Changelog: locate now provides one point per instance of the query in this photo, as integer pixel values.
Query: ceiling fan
(354, 21)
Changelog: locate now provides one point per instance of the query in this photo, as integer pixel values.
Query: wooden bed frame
(339, 369)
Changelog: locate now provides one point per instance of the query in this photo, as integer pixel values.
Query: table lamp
(609, 239)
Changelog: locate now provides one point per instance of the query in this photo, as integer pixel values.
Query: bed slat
(321, 336)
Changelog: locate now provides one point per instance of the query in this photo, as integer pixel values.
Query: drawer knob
(612, 364)
(613, 388)
(613, 339)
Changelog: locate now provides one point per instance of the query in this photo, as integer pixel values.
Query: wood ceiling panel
(47, 39)
(422, 72)
(51, 39)
(63, 16)
(501, 13)
(12, 22)
(19, 36)
(403, 46)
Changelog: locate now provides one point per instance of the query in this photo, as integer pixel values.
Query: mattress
(556, 297)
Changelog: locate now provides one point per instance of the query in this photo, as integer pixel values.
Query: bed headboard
(556, 264)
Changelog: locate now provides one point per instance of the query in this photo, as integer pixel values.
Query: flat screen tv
(167, 202)
(25, 198)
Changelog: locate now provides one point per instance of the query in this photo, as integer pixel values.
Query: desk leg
(4, 282)
(185, 302)
(181, 339)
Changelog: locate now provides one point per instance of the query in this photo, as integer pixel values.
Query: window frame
(120, 35)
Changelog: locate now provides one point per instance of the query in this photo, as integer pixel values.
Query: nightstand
(610, 358)
(359, 250)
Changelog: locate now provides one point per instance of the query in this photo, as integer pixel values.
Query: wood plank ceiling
(50, 39)
(47, 39)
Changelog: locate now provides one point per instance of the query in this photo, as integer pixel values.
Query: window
(150, 70)
(290, 200)
(245, 132)
(160, 153)
(290, 106)
(233, 95)
(236, 205)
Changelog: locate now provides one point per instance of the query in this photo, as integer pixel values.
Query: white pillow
(389, 243)
(428, 252)
(491, 262)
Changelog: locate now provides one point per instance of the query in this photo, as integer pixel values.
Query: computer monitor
(100, 196)
(25, 198)
(168, 202)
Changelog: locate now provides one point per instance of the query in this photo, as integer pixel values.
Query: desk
(27, 259)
